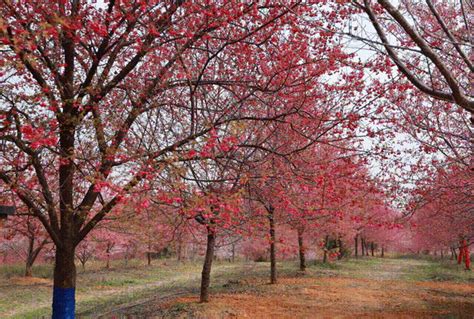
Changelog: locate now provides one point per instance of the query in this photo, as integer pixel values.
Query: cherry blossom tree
(99, 98)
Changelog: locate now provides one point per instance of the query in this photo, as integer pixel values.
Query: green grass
(99, 289)
(18, 270)
(96, 286)
(439, 270)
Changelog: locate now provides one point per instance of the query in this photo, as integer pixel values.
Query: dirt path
(378, 290)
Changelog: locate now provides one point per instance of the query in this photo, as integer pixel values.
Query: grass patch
(439, 270)
(18, 270)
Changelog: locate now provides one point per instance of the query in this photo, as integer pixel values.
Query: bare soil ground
(376, 289)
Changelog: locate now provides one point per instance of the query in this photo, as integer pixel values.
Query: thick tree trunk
(301, 250)
(366, 248)
(271, 219)
(206, 269)
(382, 254)
(372, 248)
(356, 246)
(64, 286)
(64, 283)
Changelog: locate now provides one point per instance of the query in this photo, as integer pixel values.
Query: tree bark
(362, 245)
(32, 254)
(64, 282)
(233, 252)
(301, 250)
(356, 244)
(326, 247)
(382, 254)
(29, 258)
(271, 219)
(206, 269)
(107, 263)
(180, 249)
(372, 248)
(339, 244)
(454, 254)
(28, 269)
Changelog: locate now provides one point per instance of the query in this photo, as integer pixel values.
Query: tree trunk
(126, 258)
(64, 283)
(372, 248)
(107, 264)
(301, 250)
(273, 274)
(215, 254)
(326, 247)
(148, 254)
(362, 245)
(29, 262)
(32, 255)
(382, 254)
(340, 248)
(180, 249)
(454, 253)
(356, 244)
(233, 252)
(366, 248)
(206, 269)
(28, 269)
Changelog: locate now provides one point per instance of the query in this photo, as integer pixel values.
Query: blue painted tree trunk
(64, 302)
